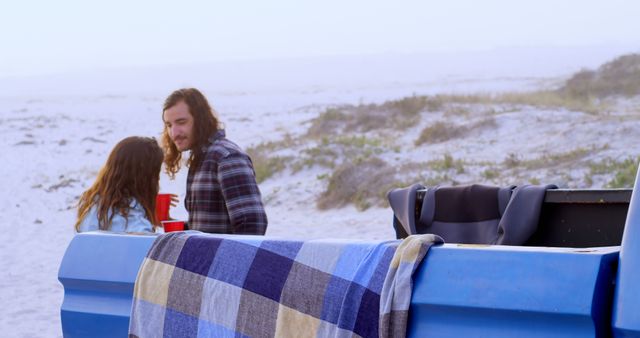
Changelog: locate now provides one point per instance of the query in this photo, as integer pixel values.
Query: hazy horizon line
(438, 52)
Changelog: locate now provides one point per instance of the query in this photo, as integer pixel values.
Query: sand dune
(54, 142)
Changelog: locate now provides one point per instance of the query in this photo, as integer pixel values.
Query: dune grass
(351, 140)
(361, 183)
(441, 131)
(624, 171)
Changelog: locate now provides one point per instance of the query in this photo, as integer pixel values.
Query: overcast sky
(39, 37)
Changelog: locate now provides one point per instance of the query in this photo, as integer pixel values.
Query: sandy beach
(57, 137)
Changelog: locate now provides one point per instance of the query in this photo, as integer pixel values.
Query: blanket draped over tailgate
(201, 285)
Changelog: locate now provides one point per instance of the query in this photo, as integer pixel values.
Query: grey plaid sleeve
(242, 195)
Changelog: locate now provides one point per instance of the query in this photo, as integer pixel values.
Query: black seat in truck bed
(570, 218)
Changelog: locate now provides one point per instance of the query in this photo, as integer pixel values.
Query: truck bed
(459, 290)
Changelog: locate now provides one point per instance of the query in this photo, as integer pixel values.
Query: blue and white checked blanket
(193, 284)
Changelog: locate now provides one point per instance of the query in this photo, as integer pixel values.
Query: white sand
(55, 140)
(54, 147)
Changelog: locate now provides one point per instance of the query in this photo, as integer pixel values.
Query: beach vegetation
(441, 131)
(363, 183)
(624, 171)
(266, 166)
(349, 141)
(619, 77)
(548, 160)
(490, 174)
(447, 163)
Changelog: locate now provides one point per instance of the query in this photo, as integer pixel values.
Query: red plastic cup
(163, 203)
(173, 225)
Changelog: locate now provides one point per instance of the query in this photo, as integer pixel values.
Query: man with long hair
(222, 193)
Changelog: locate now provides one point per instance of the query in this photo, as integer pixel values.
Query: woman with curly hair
(123, 197)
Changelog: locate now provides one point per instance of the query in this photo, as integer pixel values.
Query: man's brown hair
(132, 172)
(205, 124)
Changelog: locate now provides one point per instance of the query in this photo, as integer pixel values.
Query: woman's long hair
(132, 172)
(205, 124)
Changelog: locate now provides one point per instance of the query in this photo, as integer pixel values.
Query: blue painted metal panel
(98, 273)
(626, 310)
(496, 291)
(458, 291)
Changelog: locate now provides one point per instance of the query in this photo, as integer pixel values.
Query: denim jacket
(136, 221)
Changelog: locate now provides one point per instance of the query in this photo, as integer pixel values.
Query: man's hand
(174, 200)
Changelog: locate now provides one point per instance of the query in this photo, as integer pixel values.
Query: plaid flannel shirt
(222, 193)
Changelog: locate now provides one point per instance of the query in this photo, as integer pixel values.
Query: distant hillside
(576, 136)
(620, 77)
